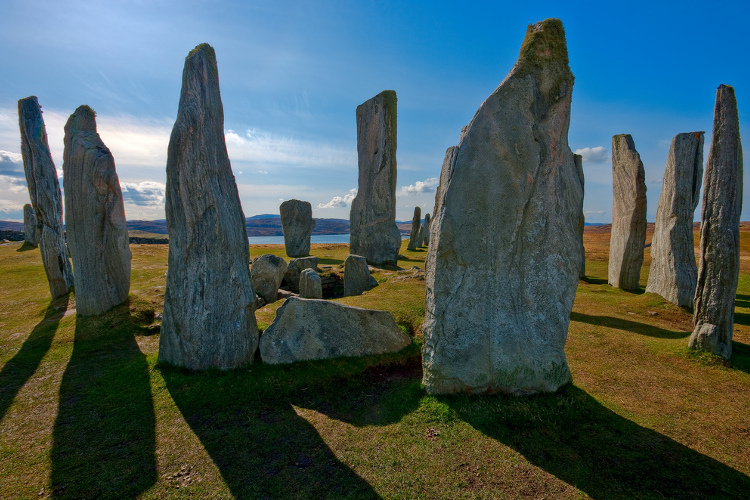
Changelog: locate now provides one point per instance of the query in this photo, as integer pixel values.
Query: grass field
(87, 412)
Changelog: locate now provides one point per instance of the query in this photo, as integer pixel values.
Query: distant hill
(10, 226)
(257, 225)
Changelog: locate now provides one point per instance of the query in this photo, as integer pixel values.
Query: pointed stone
(449, 162)
(46, 199)
(297, 226)
(310, 285)
(30, 231)
(720, 232)
(506, 234)
(209, 302)
(94, 218)
(416, 222)
(426, 230)
(628, 236)
(578, 159)
(373, 231)
(673, 273)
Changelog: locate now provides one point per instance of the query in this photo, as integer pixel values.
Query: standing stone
(310, 285)
(426, 230)
(449, 163)
(578, 159)
(46, 199)
(673, 273)
(94, 218)
(209, 302)
(357, 278)
(267, 272)
(720, 232)
(373, 230)
(505, 250)
(628, 236)
(416, 223)
(295, 267)
(297, 225)
(30, 232)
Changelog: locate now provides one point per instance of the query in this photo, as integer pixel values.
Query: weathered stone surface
(295, 267)
(505, 249)
(357, 278)
(30, 232)
(426, 230)
(307, 329)
(267, 272)
(372, 220)
(46, 199)
(297, 225)
(97, 231)
(628, 236)
(449, 163)
(578, 159)
(673, 273)
(310, 285)
(209, 302)
(719, 269)
(416, 224)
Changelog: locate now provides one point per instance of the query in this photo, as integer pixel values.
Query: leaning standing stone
(673, 273)
(267, 272)
(357, 278)
(373, 230)
(94, 218)
(720, 232)
(44, 190)
(310, 285)
(30, 233)
(209, 302)
(297, 225)
(628, 236)
(416, 223)
(505, 251)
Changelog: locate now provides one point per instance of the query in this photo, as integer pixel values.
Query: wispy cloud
(340, 201)
(419, 187)
(11, 171)
(11, 209)
(597, 154)
(143, 194)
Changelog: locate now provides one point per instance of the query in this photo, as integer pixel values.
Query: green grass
(87, 412)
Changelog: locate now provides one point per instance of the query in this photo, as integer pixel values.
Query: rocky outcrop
(720, 232)
(357, 278)
(510, 210)
(30, 232)
(310, 285)
(297, 225)
(46, 199)
(267, 273)
(94, 218)
(209, 302)
(416, 224)
(373, 230)
(673, 273)
(307, 329)
(578, 159)
(426, 230)
(628, 236)
(295, 267)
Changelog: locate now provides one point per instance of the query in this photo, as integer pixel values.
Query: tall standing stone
(373, 231)
(720, 232)
(673, 273)
(426, 230)
(297, 224)
(30, 232)
(578, 159)
(511, 211)
(44, 190)
(416, 223)
(94, 218)
(628, 236)
(209, 302)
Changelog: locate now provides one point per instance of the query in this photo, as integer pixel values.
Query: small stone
(310, 285)
(416, 223)
(266, 274)
(30, 231)
(297, 225)
(357, 278)
(295, 267)
(426, 230)
(578, 159)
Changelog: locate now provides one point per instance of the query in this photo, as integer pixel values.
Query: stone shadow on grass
(104, 439)
(742, 300)
(26, 247)
(246, 420)
(740, 356)
(20, 368)
(627, 325)
(575, 438)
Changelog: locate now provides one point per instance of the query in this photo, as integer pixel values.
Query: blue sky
(293, 72)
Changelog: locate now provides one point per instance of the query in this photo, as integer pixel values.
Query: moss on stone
(544, 47)
(209, 51)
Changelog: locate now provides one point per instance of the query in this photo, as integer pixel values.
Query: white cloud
(11, 171)
(340, 201)
(593, 213)
(426, 186)
(9, 206)
(143, 194)
(597, 154)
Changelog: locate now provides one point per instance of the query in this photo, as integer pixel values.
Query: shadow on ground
(104, 437)
(19, 369)
(572, 436)
(627, 325)
(26, 247)
(246, 421)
